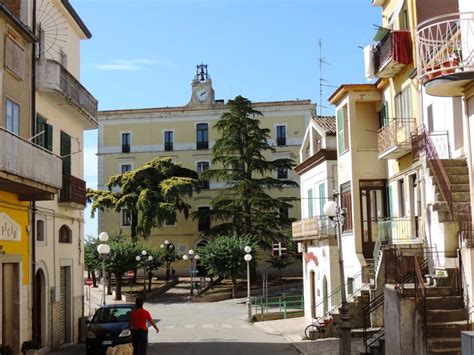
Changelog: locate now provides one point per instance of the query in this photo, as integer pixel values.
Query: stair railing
(334, 298)
(421, 142)
(466, 293)
(465, 225)
(367, 317)
(420, 294)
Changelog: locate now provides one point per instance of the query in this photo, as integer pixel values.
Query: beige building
(129, 138)
(64, 110)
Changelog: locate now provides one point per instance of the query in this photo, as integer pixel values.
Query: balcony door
(373, 210)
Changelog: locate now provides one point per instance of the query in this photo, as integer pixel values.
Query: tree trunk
(118, 286)
(234, 286)
(133, 225)
(109, 283)
(150, 277)
(94, 279)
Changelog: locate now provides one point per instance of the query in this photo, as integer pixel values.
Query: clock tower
(202, 91)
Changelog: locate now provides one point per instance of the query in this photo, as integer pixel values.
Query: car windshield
(112, 315)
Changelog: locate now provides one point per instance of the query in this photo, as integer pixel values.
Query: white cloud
(133, 64)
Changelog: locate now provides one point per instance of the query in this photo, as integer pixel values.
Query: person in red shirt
(139, 327)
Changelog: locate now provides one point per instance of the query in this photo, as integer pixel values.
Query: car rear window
(112, 315)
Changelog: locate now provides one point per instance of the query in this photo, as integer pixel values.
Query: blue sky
(143, 53)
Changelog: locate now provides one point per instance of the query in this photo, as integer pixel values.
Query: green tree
(246, 206)
(92, 260)
(224, 255)
(153, 194)
(150, 266)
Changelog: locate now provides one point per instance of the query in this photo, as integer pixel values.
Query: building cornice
(345, 88)
(76, 18)
(321, 156)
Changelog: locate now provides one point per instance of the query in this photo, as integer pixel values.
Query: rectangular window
(281, 135)
(384, 116)
(65, 152)
(204, 220)
(429, 118)
(322, 198)
(282, 173)
(126, 217)
(342, 130)
(169, 221)
(40, 230)
(403, 104)
(201, 167)
(126, 139)
(202, 136)
(168, 141)
(13, 117)
(284, 213)
(346, 202)
(43, 133)
(310, 203)
(125, 167)
(401, 198)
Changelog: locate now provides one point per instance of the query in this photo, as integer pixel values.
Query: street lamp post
(337, 215)
(143, 258)
(103, 249)
(247, 258)
(191, 256)
(169, 256)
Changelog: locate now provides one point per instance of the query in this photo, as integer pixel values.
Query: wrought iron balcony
(53, 78)
(445, 48)
(73, 190)
(125, 148)
(312, 228)
(28, 170)
(168, 146)
(392, 54)
(202, 145)
(281, 141)
(401, 230)
(394, 139)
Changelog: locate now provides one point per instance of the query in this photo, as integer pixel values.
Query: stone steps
(444, 302)
(454, 162)
(457, 196)
(445, 329)
(445, 315)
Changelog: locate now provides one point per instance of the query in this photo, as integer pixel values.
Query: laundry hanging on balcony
(369, 62)
(401, 47)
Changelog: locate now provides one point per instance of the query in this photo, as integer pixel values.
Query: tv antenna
(322, 82)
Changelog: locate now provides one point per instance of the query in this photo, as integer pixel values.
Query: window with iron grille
(281, 135)
(168, 141)
(346, 202)
(126, 139)
(202, 136)
(65, 234)
(201, 167)
(282, 173)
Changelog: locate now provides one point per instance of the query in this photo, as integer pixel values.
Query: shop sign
(9, 229)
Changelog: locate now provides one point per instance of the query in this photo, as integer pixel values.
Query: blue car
(108, 327)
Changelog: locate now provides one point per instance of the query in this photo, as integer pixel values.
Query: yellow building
(131, 137)
(27, 173)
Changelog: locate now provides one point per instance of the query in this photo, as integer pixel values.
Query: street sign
(130, 274)
(89, 282)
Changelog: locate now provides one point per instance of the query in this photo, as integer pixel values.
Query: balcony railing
(392, 54)
(401, 230)
(394, 139)
(445, 46)
(281, 141)
(125, 148)
(29, 161)
(73, 190)
(53, 77)
(202, 145)
(168, 146)
(312, 228)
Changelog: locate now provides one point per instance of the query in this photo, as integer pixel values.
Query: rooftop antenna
(322, 81)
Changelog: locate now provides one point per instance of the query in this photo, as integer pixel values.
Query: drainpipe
(33, 204)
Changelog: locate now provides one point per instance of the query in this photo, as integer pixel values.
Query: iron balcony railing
(281, 141)
(168, 147)
(125, 148)
(445, 45)
(396, 133)
(202, 145)
(73, 190)
(400, 230)
(27, 160)
(313, 227)
(396, 46)
(52, 76)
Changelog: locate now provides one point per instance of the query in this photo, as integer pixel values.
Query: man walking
(139, 327)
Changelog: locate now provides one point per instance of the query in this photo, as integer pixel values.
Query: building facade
(130, 138)
(64, 110)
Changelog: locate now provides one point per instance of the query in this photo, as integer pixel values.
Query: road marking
(244, 326)
(189, 326)
(207, 326)
(170, 327)
(228, 326)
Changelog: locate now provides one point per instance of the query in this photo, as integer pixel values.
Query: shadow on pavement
(222, 348)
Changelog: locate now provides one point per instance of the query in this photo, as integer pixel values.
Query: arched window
(65, 234)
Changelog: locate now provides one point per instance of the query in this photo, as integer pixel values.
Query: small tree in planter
(92, 259)
(154, 264)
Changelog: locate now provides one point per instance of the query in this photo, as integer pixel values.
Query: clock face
(201, 95)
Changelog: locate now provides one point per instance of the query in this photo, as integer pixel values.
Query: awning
(380, 34)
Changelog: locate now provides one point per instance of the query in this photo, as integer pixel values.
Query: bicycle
(315, 330)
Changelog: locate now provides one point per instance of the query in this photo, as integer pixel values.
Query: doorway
(10, 305)
(312, 288)
(40, 304)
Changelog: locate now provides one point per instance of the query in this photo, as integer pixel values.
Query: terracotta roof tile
(327, 123)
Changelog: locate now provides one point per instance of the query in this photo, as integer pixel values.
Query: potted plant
(454, 58)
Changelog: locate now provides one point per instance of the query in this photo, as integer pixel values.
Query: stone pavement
(293, 331)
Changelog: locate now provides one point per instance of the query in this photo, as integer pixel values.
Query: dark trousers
(140, 341)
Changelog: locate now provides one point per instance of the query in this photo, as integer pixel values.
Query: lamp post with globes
(337, 215)
(103, 249)
(170, 256)
(144, 257)
(191, 256)
(247, 258)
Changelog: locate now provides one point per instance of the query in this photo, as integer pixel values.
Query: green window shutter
(322, 197)
(65, 152)
(49, 137)
(40, 128)
(385, 116)
(310, 203)
(340, 131)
